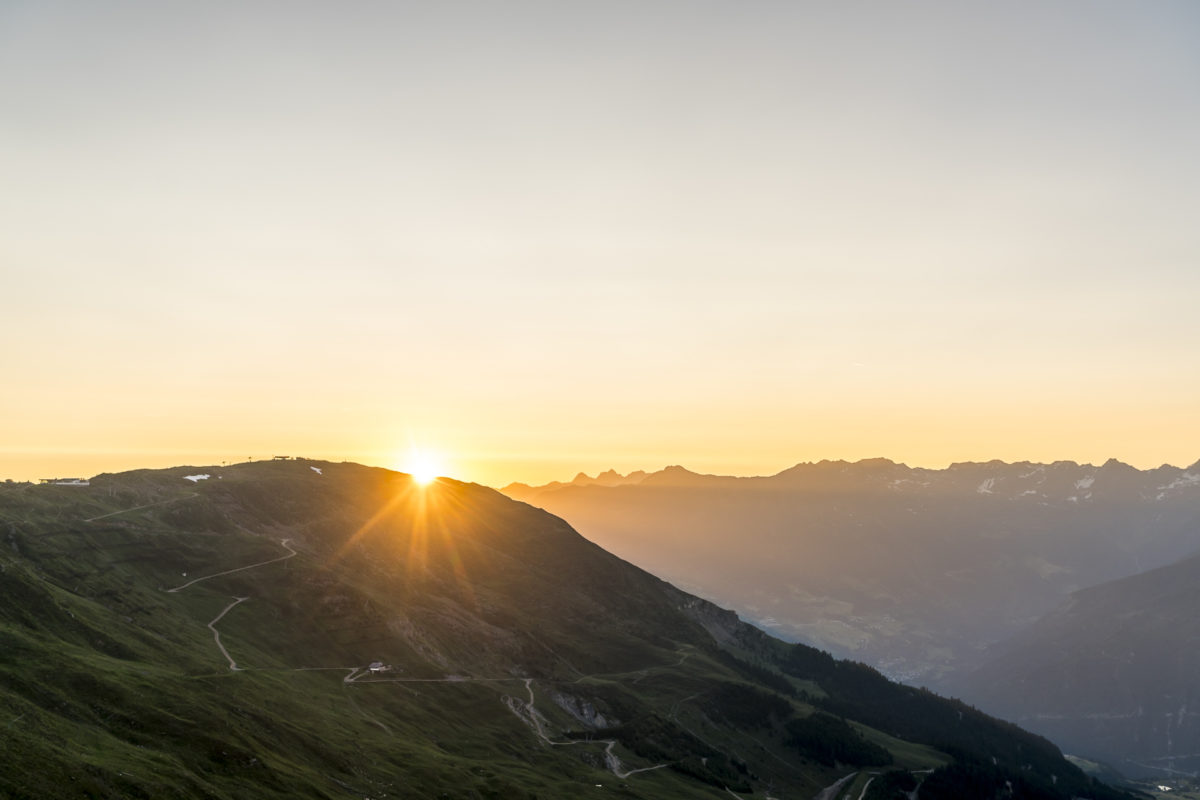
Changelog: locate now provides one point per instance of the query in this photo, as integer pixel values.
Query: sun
(423, 466)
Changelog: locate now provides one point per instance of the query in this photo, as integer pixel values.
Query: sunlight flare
(424, 467)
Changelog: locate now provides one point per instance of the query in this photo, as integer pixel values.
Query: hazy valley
(913, 570)
(1113, 672)
(924, 573)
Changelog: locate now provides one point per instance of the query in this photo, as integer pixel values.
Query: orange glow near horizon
(1146, 445)
(813, 251)
(424, 466)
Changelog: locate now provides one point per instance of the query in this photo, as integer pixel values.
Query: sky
(535, 238)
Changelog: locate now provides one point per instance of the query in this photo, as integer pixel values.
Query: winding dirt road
(233, 667)
(212, 626)
(831, 792)
(148, 505)
(533, 719)
(531, 716)
(283, 542)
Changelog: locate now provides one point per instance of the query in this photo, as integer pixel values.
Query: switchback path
(212, 626)
(637, 673)
(148, 505)
(831, 792)
(534, 720)
(283, 542)
(354, 674)
(233, 667)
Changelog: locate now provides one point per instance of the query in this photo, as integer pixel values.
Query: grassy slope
(111, 686)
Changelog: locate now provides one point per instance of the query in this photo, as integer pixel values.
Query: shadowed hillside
(1114, 673)
(306, 629)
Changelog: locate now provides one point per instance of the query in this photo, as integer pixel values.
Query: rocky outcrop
(584, 710)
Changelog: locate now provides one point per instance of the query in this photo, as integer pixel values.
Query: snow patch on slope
(1185, 480)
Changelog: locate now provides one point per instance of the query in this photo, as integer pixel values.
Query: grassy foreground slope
(168, 638)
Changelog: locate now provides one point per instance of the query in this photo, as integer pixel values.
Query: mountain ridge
(878, 467)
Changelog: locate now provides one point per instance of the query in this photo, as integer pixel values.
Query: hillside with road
(314, 630)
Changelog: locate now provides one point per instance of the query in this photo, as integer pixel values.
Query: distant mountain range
(304, 629)
(913, 570)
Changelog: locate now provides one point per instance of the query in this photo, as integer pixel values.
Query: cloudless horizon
(534, 239)
(44, 468)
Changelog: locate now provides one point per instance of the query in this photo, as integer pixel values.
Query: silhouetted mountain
(607, 478)
(913, 570)
(305, 629)
(1114, 673)
(677, 476)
